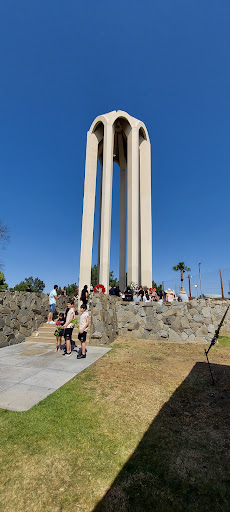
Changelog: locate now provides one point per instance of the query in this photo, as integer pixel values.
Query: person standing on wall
(52, 303)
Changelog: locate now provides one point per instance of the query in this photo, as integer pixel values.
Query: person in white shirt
(68, 326)
(83, 327)
(52, 303)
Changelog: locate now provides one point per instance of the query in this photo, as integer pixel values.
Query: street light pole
(201, 294)
(196, 286)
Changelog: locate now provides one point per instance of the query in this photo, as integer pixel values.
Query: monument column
(123, 206)
(106, 205)
(145, 213)
(88, 208)
(133, 207)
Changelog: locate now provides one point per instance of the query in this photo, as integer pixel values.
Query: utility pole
(221, 282)
(201, 294)
(189, 286)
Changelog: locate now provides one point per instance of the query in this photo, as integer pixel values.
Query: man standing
(83, 327)
(52, 302)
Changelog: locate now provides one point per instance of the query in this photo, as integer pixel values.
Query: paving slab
(22, 397)
(31, 371)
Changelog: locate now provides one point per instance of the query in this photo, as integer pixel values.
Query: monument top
(113, 116)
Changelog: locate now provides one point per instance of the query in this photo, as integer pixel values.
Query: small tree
(4, 238)
(3, 285)
(94, 270)
(36, 285)
(113, 281)
(182, 267)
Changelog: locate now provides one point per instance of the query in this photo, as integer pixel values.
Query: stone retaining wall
(193, 321)
(21, 313)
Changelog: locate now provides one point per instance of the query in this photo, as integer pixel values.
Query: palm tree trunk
(182, 278)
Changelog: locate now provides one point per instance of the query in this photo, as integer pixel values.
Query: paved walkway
(31, 371)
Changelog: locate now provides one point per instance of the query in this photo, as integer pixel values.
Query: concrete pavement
(31, 371)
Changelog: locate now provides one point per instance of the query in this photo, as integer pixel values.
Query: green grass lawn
(142, 429)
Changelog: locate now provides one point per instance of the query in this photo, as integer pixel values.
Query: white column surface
(123, 206)
(146, 213)
(106, 205)
(122, 245)
(88, 211)
(133, 207)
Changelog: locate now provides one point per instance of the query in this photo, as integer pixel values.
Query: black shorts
(82, 336)
(68, 333)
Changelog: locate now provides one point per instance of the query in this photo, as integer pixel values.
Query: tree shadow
(182, 462)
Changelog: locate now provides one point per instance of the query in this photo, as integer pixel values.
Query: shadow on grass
(183, 461)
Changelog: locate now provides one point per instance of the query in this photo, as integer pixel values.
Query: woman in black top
(85, 295)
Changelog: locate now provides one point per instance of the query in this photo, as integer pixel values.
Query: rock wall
(21, 313)
(193, 321)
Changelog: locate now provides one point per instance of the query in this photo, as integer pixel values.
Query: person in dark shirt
(85, 295)
(28, 289)
(128, 295)
(117, 292)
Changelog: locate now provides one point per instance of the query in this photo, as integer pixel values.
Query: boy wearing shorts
(83, 327)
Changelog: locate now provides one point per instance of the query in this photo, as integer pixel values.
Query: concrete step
(46, 334)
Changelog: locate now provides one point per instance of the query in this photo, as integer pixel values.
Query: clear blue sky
(62, 64)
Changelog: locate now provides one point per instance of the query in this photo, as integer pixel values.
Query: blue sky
(62, 64)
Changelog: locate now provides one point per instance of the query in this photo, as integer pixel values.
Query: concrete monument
(118, 137)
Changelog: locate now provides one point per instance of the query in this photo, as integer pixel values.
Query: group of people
(151, 295)
(66, 322)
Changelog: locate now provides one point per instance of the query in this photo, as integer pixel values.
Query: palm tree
(182, 267)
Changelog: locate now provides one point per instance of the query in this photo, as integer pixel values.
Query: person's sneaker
(48, 322)
(79, 351)
(52, 322)
(81, 356)
(68, 354)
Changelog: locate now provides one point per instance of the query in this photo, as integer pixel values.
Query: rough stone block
(198, 318)
(133, 326)
(174, 336)
(184, 322)
(148, 326)
(163, 334)
(3, 340)
(5, 310)
(192, 311)
(19, 338)
(206, 312)
(184, 336)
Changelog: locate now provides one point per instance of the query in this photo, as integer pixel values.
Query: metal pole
(163, 286)
(189, 286)
(221, 282)
(201, 294)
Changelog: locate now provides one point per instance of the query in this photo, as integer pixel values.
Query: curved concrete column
(145, 213)
(106, 206)
(88, 208)
(133, 207)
